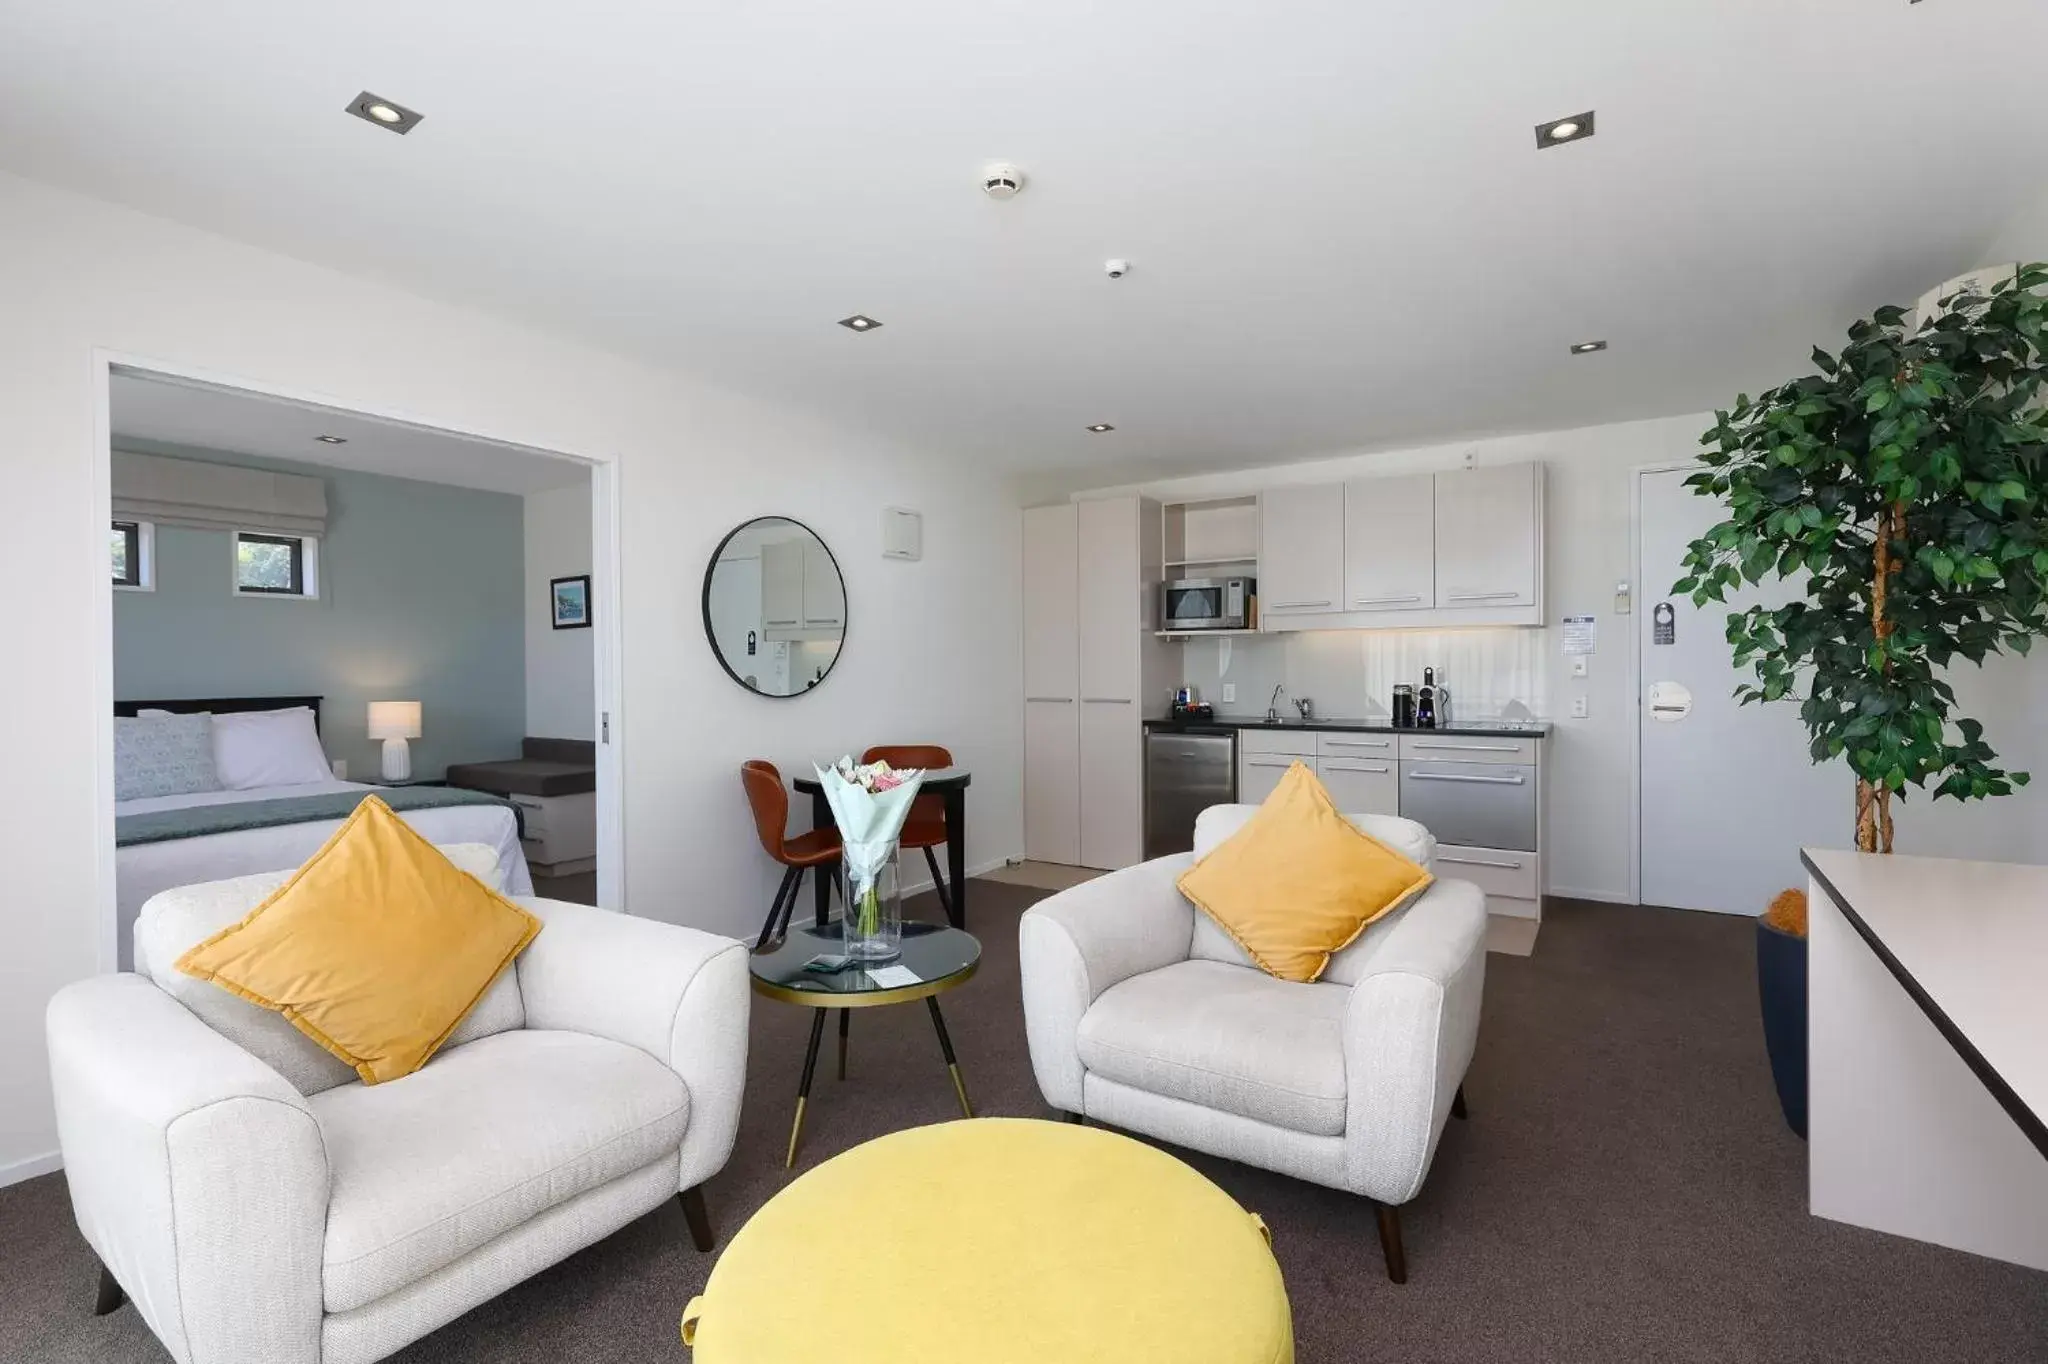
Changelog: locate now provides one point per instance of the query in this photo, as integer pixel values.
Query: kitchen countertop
(1499, 729)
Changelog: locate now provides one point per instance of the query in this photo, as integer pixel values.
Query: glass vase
(873, 922)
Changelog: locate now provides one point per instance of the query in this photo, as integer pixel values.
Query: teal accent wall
(420, 600)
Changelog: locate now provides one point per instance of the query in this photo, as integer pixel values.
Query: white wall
(933, 652)
(1589, 773)
(2024, 237)
(560, 664)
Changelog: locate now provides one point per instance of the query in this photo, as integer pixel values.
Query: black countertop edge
(1534, 729)
(2015, 1107)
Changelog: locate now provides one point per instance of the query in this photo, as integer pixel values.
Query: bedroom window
(276, 565)
(132, 549)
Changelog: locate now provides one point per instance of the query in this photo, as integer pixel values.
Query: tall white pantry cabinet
(1092, 670)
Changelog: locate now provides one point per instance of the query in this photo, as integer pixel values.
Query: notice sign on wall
(1581, 634)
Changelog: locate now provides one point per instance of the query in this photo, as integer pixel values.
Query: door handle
(1062, 700)
(1467, 748)
(1297, 605)
(1480, 862)
(1483, 596)
(1454, 776)
(1382, 601)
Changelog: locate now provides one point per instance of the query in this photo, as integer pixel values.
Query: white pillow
(268, 748)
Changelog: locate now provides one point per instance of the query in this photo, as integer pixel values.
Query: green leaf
(1878, 401)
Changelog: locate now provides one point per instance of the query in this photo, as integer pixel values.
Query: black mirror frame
(846, 623)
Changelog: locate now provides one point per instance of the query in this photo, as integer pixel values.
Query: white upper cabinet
(1112, 603)
(782, 585)
(1489, 538)
(1301, 552)
(1052, 658)
(824, 594)
(1390, 544)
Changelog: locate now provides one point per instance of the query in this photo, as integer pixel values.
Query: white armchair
(1142, 1014)
(258, 1204)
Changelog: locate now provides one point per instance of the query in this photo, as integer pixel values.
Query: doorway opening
(311, 604)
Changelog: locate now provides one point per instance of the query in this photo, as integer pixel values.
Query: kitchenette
(1384, 631)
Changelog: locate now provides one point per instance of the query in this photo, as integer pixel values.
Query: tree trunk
(1874, 799)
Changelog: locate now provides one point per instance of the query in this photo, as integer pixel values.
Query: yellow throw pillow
(376, 949)
(1299, 881)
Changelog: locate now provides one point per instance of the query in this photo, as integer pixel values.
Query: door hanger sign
(750, 644)
(1663, 624)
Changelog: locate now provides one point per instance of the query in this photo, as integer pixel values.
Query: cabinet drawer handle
(1358, 743)
(824, 620)
(1479, 862)
(1296, 605)
(1483, 596)
(790, 621)
(1062, 700)
(1271, 762)
(1454, 776)
(1467, 748)
(1336, 766)
(1381, 601)
(1107, 700)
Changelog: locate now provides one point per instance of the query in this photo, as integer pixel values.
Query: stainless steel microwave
(1207, 604)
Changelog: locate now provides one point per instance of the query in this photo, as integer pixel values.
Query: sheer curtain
(1491, 674)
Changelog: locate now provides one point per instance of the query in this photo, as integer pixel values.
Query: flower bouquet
(869, 802)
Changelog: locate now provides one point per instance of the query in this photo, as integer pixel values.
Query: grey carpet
(1624, 1190)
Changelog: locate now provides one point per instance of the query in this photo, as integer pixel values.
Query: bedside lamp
(394, 722)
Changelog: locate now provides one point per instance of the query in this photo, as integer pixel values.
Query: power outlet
(1229, 692)
(1579, 668)
(1578, 708)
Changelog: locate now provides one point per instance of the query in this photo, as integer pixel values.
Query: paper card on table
(892, 977)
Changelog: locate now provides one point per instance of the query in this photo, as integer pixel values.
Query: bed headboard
(223, 705)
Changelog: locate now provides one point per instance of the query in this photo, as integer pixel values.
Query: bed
(155, 855)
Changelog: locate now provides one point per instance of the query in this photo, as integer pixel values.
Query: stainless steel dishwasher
(1186, 771)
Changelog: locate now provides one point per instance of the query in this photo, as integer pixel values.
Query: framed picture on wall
(569, 602)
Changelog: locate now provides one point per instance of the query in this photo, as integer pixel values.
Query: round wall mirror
(775, 606)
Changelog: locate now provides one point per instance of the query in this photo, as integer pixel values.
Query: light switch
(1579, 665)
(1578, 708)
(1229, 692)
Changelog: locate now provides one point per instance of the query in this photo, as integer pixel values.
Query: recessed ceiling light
(386, 114)
(1587, 347)
(1101, 427)
(1577, 128)
(859, 322)
(332, 440)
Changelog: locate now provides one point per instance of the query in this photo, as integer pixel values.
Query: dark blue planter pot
(1781, 985)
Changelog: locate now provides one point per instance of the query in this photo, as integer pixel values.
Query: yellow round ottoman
(991, 1241)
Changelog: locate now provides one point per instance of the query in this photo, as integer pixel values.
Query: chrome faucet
(1273, 706)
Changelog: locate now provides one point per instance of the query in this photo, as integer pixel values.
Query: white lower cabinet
(1052, 781)
(1360, 786)
(1112, 784)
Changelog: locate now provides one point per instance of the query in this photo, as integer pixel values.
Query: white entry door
(1728, 793)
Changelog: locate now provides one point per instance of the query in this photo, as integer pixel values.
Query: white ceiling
(1341, 231)
(155, 412)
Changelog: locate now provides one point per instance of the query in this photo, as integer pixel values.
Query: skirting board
(924, 881)
(1605, 897)
(30, 1168)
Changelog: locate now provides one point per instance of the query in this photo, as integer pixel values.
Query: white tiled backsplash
(1350, 674)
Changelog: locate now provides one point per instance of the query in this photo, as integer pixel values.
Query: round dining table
(949, 783)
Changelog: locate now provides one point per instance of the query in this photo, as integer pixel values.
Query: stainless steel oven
(1482, 805)
(1207, 604)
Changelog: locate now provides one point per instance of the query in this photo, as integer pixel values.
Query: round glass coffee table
(935, 959)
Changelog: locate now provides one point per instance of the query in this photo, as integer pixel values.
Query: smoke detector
(1001, 180)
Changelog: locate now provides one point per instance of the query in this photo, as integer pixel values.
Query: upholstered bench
(998, 1240)
(554, 784)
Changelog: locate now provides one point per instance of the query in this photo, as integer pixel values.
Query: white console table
(1928, 1050)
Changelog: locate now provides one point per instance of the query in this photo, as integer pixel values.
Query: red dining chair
(926, 826)
(818, 851)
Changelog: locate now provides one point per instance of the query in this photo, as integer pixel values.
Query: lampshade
(394, 719)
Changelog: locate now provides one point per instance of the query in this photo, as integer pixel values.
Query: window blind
(190, 492)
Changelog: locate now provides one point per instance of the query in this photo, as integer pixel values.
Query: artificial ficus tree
(1904, 489)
